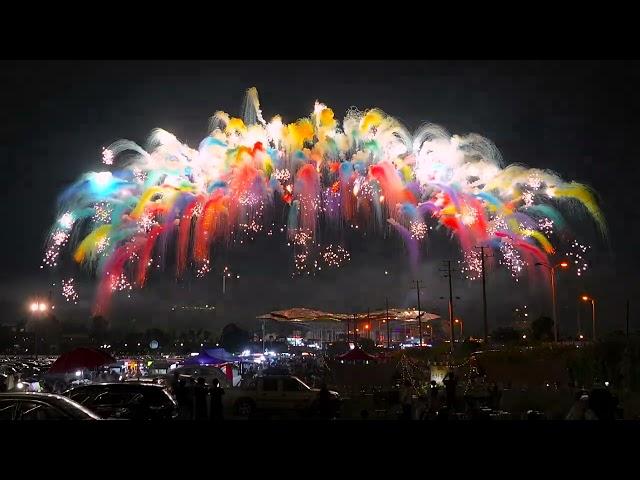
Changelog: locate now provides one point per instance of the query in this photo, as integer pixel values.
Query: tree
(367, 345)
(233, 338)
(506, 335)
(542, 329)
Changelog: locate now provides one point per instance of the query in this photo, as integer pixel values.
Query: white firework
(120, 283)
(546, 226)
(66, 221)
(527, 197)
(471, 265)
(511, 259)
(497, 224)
(139, 174)
(57, 240)
(107, 156)
(203, 269)
(418, 229)
(335, 256)
(469, 215)
(249, 199)
(535, 181)
(102, 213)
(102, 245)
(282, 174)
(302, 238)
(146, 223)
(577, 252)
(69, 292)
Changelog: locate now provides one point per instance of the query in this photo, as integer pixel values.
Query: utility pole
(418, 282)
(355, 330)
(484, 295)
(389, 329)
(448, 271)
(627, 319)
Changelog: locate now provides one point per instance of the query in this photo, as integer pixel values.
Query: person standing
(324, 400)
(182, 398)
(450, 385)
(200, 400)
(406, 400)
(434, 404)
(216, 392)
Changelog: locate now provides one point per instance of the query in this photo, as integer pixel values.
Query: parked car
(277, 393)
(41, 406)
(130, 401)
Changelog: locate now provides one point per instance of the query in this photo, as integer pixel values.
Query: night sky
(579, 119)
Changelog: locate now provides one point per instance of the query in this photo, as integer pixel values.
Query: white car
(276, 393)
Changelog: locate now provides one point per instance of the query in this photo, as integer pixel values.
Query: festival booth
(357, 356)
(215, 357)
(384, 327)
(78, 365)
(323, 326)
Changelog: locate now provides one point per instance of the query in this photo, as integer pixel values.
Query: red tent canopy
(81, 358)
(358, 355)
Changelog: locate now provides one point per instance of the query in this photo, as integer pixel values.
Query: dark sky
(577, 118)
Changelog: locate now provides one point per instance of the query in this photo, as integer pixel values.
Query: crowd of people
(196, 400)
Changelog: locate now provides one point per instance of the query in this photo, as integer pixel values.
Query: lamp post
(461, 323)
(552, 274)
(593, 313)
(226, 274)
(37, 308)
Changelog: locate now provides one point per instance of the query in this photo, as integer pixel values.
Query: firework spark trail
(362, 173)
(577, 254)
(69, 292)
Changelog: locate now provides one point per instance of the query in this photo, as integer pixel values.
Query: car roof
(120, 385)
(57, 399)
(34, 395)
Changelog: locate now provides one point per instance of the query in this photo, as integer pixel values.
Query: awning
(80, 359)
(307, 315)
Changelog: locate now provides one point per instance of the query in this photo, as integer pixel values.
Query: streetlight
(457, 320)
(552, 270)
(37, 308)
(226, 274)
(593, 313)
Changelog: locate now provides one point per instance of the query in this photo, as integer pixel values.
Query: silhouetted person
(450, 384)
(200, 400)
(601, 402)
(406, 400)
(182, 398)
(580, 409)
(495, 396)
(216, 393)
(324, 408)
(364, 414)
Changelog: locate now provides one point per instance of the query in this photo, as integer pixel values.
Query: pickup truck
(276, 393)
